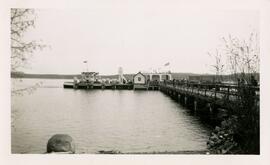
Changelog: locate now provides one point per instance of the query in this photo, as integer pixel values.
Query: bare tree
(242, 56)
(241, 59)
(21, 20)
(218, 65)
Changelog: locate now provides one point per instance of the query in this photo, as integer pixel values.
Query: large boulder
(61, 143)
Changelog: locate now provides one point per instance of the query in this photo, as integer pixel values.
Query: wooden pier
(206, 98)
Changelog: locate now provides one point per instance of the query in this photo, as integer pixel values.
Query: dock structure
(207, 98)
(149, 86)
(97, 86)
(140, 81)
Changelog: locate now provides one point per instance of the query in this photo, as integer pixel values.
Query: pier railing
(214, 91)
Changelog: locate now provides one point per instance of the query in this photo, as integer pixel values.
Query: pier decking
(207, 97)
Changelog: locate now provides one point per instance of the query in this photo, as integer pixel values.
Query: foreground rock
(60, 143)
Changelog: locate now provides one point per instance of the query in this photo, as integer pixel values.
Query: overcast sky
(135, 38)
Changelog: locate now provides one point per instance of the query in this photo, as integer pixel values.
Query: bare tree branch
(22, 20)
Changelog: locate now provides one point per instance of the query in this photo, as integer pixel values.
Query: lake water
(122, 120)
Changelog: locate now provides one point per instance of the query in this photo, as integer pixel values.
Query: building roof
(138, 74)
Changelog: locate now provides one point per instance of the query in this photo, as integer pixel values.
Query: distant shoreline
(42, 76)
(177, 76)
(53, 76)
(71, 76)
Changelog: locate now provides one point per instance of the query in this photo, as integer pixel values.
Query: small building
(139, 81)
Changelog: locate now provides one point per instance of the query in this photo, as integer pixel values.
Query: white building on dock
(139, 81)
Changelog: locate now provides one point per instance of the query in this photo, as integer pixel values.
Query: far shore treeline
(71, 76)
(177, 76)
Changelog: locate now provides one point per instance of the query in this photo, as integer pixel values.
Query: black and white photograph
(135, 78)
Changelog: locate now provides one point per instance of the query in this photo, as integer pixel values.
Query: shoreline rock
(61, 143)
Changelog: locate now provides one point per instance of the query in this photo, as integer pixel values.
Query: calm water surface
(123, 120)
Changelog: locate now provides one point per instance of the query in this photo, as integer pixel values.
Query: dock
(97, 86)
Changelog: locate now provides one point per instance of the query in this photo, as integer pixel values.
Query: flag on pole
(167, 64)
(84, 61)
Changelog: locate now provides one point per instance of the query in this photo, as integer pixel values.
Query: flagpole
(86, 62)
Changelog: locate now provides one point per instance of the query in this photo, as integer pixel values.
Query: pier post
(195, 105)
(210, 107)
(185, 100)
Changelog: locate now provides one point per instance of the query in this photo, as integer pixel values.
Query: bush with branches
(242, 127)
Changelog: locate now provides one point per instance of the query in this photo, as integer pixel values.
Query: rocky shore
(222, 139)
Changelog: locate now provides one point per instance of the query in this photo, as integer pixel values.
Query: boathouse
(139, 81)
